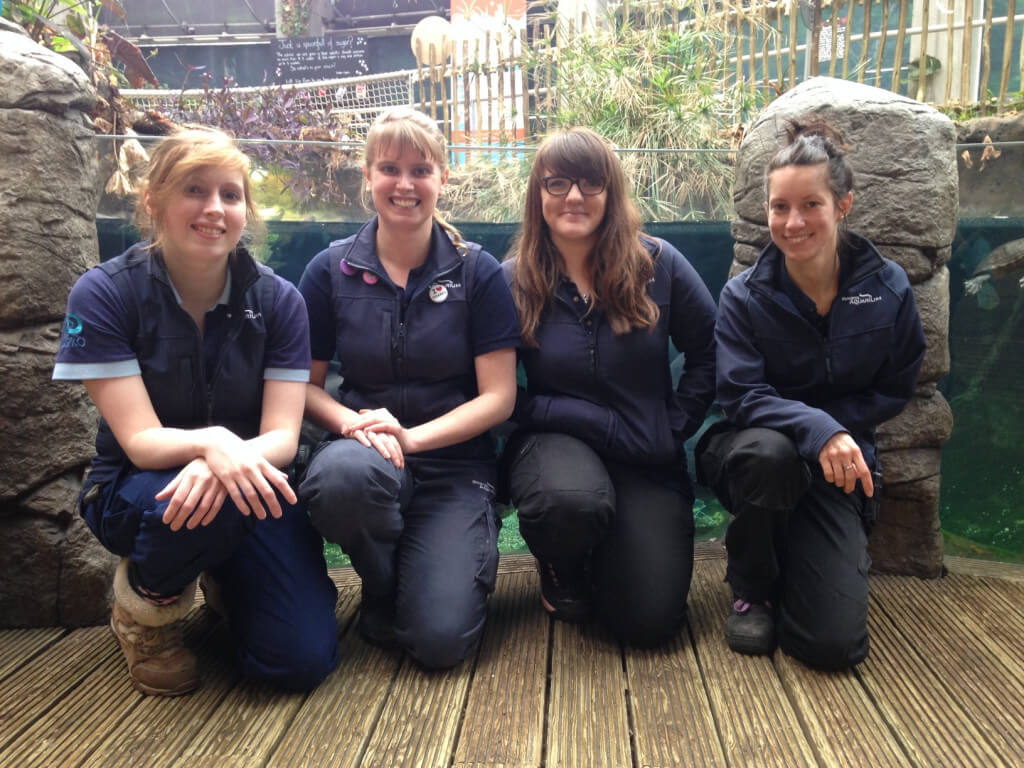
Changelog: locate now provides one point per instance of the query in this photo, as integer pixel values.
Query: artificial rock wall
(905, 201)
(54, 571)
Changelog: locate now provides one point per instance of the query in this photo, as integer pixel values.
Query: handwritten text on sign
(298, 59)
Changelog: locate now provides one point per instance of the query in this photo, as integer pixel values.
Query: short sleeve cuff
(86, 371)
(300, 375)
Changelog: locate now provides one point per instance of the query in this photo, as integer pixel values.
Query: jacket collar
(243, 271)
(859, 258)
(441, 257)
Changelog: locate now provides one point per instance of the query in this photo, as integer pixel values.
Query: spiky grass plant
(649, 78)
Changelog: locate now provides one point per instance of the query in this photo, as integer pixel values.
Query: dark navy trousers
(424, 537)
(279, 598)
(633, 523)
(794, 539)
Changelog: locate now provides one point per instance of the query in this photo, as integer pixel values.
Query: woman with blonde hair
(425, 331)
(197, 358)
(596, 468)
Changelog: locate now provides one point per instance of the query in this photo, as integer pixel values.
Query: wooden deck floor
(944, 686)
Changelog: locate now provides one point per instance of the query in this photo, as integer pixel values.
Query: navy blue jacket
(400, 349)
(776, 370)
(614, 392)
(169, 350)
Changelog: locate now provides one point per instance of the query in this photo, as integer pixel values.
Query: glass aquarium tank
(310, 194)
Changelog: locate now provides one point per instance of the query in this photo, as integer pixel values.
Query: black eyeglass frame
(577, 182)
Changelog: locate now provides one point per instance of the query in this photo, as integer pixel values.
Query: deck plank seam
(381, 705)
(881, 710)
(705, 685)
(626, 692)
(457, 737)
(794, 702)
(545, 735)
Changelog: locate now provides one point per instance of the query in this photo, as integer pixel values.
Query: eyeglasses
(559, 186)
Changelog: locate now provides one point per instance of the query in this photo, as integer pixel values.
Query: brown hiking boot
(151, 639)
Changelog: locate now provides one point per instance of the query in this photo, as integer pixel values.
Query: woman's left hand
(196, 496)
(842, 464)
(382, 423)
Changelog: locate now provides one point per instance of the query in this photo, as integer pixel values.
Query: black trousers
(794, 539)
(424, 536)
(634, 523)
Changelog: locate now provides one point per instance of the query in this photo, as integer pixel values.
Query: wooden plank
(713, 549)
(982, 677)
(49, 676)
(66, 734)
(17, 646)
(997, 606)
(420, 720)
(756, 721)
(159, 729)
(838, 716)
(991, 568)
(62, 735)
(516, 564)
(672, 720)
(929, 723)
(333, 726)
(504, 720)
(587, 720)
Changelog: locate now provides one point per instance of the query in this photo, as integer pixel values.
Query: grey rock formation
(905, 201)
(47, 239)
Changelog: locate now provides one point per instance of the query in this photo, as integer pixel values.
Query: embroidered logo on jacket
(250, 315)
(861, 298)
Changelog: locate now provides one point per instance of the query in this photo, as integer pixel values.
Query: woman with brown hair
(596, 468)
(818, 343)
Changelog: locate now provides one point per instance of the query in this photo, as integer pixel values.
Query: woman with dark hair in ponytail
(597, 469)
(425, 332)
(818, 343)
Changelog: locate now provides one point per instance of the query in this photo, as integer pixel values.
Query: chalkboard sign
(301, 59)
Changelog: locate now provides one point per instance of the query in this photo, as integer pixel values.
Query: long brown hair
(620, 263)
(405, 127)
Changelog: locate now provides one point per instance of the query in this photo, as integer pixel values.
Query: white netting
(359, 99)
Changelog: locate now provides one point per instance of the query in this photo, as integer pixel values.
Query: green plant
(650, 78)
(295, 17)
(73, 25)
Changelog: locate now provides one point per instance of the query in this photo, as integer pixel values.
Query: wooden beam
(504, 719)
(756, 720)
(1004, 77)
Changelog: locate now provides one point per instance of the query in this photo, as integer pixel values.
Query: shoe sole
(570, 617)
(181, 691)
(749, 646)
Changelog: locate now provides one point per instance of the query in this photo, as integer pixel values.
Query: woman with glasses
(596, 467)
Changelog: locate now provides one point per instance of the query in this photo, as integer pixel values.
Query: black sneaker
(750, 628)
(565, 592)
(376, 622)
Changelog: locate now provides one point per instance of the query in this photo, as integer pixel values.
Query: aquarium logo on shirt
(861, 298)
(72, 332)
